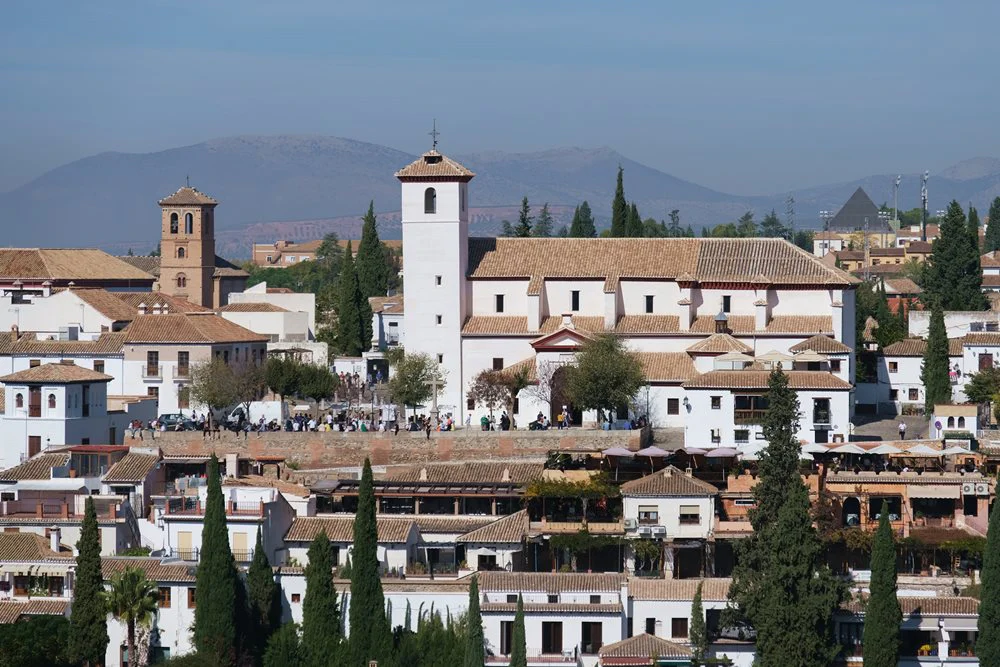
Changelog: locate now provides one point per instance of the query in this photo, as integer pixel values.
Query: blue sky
(745, 97)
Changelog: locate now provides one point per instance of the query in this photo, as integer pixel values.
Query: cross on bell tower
(434, 135)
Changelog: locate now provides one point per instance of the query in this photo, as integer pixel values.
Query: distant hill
(301, 187)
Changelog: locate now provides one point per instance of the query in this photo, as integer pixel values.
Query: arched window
(180, 253)
(961, 422)
(430, 201)
(188, 223)
(951, 422)
(19, 401)
(182, 280)
(173, 223)
(52, 401)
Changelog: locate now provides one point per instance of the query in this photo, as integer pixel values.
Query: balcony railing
(186, 506)
(748, 416)
(183, 373)
(152, 372)
(535, 655)
(821, 417)
(243, 555)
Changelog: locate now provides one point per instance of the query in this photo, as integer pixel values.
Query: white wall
(173, 625)
(299, 302)
(669, 514)
(46, 315)
(956, 323)
(279, 326)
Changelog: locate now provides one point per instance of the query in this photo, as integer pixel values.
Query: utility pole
(867, 256)
(923, 203)
(895, 203)
(790, 217)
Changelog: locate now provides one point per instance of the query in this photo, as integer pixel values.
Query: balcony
(152, 372)
(821, 417)
(243, 555)
(748, 416)
(185, 506)
(182, 373)
(535, 657)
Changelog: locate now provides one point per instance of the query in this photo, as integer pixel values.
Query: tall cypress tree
(633, 224)
(882, 615)
(373, 276)
(370, 636)
(475, 647)
(518, 643)
(215, 612)
(992, 240)
(976, 261)
(988, 641)
(781, 583)
(934, 370)
(583, 222)
(619, 208)
(524, 220)
(954, 277)
(699, 633)
(88, 623)
(320, 618)
(543, 223)
(264, 600)
(350, 326)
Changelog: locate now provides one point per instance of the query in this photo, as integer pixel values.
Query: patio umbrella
(618, 451)
(722, 453)
(884, 449)
(955, 451)
(652, 451)
(815, 448)
(694, 451)
(847, 449)
(922, 450)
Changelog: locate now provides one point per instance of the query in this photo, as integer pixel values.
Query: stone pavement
(867, 428)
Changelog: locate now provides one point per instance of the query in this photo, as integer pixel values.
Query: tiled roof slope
(549, 582)
(468, 473)
(204, 328)
(757, 379)
(669, 482)
(252, 307)
(12, 612)
(390, 305)
(667, 366)
(641, 647)
(915, 347)
(134, 467)
(769, 261)
(341, 529)
(151, 266)
(26, 547)
(37, 467)
(434, 165)
(821, 344)
(927, 606)
(107, 344)
(65, 264)
(56, 373)
(174, 304)
(188, 196)
(719, 343)
(644, 588)
(155, 569)
(106, 303)
(508, 530)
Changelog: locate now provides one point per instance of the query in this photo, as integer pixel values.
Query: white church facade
(697, 311)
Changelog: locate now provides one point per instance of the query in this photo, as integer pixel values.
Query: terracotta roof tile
(174, 304)
(549, 582)
(989, 260)
(669, 482)
(927, 606)
(188, 196)
(204, 328)
(757, 379)
(107, 344)
(134, 467)
(822, 344)
(549, 608)
(919, 247)
(719, 344)
(646, 324)
(991, 280)
(252, 307)
(428, 523)
(11, 611)
(887, 252)
(390, 305)
(468, 473)
(644, 588)
(434, 165)
(146, 264)
(496, 325)
(901, 286)
(56, 374)
(640, 648)
(3, 399)
(155, 568)
(582, 323)
(747, 324)
(65, 264)
(106, 303)
(226, 269)
(980, 338)
(508, 530)
(27, 547)
(528, 364)
(667, 366)
(38, 467)
(915, 347)
(341, 529)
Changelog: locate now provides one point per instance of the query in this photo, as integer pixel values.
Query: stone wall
(334, 449)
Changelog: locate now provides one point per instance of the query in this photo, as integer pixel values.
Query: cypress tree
(370, 263)
(283, 649)
(781, 583)
(215, 613)
(264, 599)
(524, 220)
(583, 222)
(475, 654)
(370, 635)
(988, 641)
(619, 209)
(633, 224)
(543, 223)
(699, 633)
(934, 370)
(518, 643)
(992, 240)
(350, 326)
(882, 615)
(88, 635)
(320, 620)
(954, 277)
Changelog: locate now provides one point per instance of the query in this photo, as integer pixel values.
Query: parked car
(172, 420)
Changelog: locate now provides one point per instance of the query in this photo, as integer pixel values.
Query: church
(707, 317)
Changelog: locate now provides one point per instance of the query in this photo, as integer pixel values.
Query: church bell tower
(187, 246)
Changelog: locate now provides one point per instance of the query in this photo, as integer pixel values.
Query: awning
(952, 491)
(36, 569)
(57, 484)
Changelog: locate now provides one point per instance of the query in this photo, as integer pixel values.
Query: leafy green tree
(132, 599)
(475, 647)
(726, 230)
(606, 375)
(373, 278)
(263, 599)
(582, 225)
(282, 375)
(934, 370)
(954, 278)
(489, 388)
(213, 384)
(772, 227)
(88, 620)
(284, 649)
(518, 643)
(889, 327)
(317, 382)
(699, 633)
(983, 386)
(804, 239)
(882, 614)
(410, 382)
(215, 614)
(367, 601)
(781, 584)
(633, 222)
(543, 223)
(992, 240)
(988, 641)
(745, 226)
(619, 208)
(320, 616)
(36, 641)
(350, 325)
(524, 220)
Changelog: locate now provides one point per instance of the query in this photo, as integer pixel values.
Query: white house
(287, 300)
(387, 320)
(397, 540)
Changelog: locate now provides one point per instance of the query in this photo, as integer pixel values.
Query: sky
(744, 97)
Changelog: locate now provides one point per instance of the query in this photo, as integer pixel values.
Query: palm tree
(132, 600)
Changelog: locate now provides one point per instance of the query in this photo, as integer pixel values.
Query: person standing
(902, 430)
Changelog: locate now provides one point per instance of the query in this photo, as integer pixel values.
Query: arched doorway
(851, 512)
(560, 396)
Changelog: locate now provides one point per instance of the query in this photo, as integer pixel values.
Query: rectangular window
(499, 303)
(673, 406)
(507, 634)
(649, 514)
(153, 391)
(893, 367)
(727, 302)
(553, 599)
(99, 366)
(690, 515)
(511, 599)
(552, 638)
(716, 402)
(440, 358)
(437, 280)
(574, 300)
(595, 599)
(679, 628)
(914, 394)
(651, 626)
(438, 319)
(85, 405)
(34, 363)
(164, 592)
(835, 365)
(152, 364)
(741, 435)
(821, 411)
(591, 634)
(649, 303)
(498, 363)
(470, 404)
(893, 394)
(183, 364)
(296, 597)
(190, 597)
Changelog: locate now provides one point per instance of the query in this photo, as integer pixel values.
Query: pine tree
(263, 599)
(772, 227)
(988, 641)
(781, 583)
(370, 263)
(88, 621)
(583, 222)
(934, 371)
(992, 240)
(619, 208)
(370, 635)
(350, 326)
(475, 654)
(320, 617)
(543, 223)
(518, 643)
(882, 615)
(699, 633)
(633, 222)
(215, 613)
(954, 278)
(524, 220)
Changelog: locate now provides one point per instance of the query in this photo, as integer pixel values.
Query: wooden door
(184, 545)
(34, 445)
(240, 547)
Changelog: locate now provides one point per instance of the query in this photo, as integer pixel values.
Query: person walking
(902, 430)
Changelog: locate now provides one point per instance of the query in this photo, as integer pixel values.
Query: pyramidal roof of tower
(188, 196)
(434, 165)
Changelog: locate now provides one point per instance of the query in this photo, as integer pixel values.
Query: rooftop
(389, 305)
(63, 265)
(719, 343)
(757, 379)
(474, 472)
(38, 467)
(508, 530)
(28, 547)
(188, 196)
(645, 588)
(822, 344)
(132, 468)
(197, 328)
(668, 482)
(252, 307)
(341, 529)
(156, 569)
(636, 650)
(26, 342)
(550, 582)
(61, 373)
(12, 611)
(667, 366)
(434, 165)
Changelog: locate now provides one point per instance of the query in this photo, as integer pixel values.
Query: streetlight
(825, 217)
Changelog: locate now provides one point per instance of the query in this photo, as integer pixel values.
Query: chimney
(47, 288)
(232, 465)
(688, 471)
(567, 321)
(14, 333)
(164, 310)
(156, 308)
(423, 474)
(506, 475)
(760, 321)
(55, 538)
(142, 308)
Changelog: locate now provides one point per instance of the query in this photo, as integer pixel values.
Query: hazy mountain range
(301, 187)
